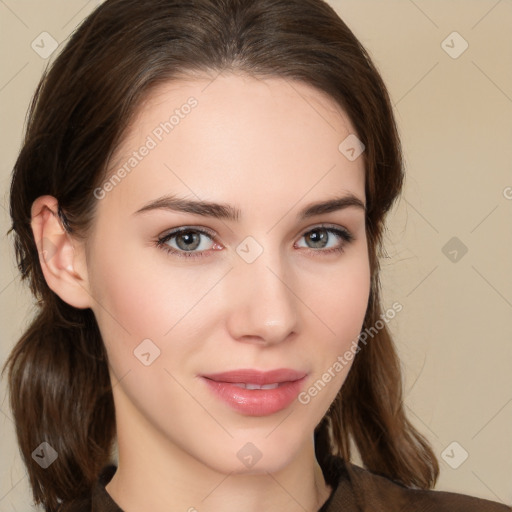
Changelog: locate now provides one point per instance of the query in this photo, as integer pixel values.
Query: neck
(150, 477)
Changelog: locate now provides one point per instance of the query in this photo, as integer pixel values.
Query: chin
(248, 455)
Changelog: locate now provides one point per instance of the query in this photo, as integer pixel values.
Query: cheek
(342, 299)
(348, 306)
(139, 297)
(341, 307)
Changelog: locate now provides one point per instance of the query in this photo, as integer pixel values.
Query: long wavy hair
(59, 386)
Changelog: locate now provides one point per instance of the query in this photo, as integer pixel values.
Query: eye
(188, 242)
(321, 236)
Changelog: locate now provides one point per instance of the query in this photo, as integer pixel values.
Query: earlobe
(58, 255)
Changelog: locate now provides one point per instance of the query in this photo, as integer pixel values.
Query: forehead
(238, 139)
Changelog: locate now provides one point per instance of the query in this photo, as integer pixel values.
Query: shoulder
(381, 493)
(77, 505)
(97, 499)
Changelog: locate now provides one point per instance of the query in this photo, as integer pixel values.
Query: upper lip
(261, 378)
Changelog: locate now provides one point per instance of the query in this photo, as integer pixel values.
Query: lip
(256, 402)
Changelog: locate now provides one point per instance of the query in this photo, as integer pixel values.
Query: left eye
(186, 242)
(320, 236)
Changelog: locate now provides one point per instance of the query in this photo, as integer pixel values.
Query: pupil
(317, 236)
(189, 239)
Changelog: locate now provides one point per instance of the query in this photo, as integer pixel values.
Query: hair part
(60, 390)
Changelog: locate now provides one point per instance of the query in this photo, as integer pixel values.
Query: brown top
(354, 490)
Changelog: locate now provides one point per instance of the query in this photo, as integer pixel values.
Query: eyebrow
(228, 212)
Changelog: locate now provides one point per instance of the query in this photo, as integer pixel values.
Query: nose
(262, 304)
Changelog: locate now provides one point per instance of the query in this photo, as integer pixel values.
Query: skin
(269, 147)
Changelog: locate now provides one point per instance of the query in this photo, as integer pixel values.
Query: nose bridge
(265, 307)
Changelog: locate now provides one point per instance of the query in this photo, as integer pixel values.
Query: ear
(61, 257)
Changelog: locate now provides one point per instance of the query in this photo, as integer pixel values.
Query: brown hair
(60, 390)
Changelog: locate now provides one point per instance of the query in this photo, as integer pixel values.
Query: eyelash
(161, 242)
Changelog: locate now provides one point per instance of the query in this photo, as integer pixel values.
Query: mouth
(247, 385)
(256, 393)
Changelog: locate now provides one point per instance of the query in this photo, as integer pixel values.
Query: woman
(198, 206)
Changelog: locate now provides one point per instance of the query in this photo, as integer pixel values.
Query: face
(262, 284)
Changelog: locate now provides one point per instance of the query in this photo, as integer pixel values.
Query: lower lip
(256, 402)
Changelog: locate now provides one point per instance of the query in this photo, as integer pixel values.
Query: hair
(59, 385)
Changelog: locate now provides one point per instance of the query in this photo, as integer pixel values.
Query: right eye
(186, 241)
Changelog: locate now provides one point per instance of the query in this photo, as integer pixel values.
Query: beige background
(455, 116)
